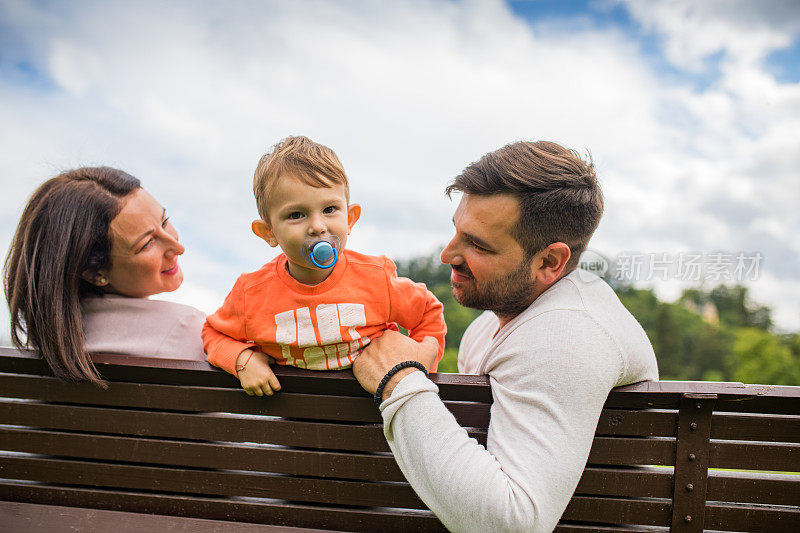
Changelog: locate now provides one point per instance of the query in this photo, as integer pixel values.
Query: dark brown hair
(312, 163)
(559, 197)
(63, 232)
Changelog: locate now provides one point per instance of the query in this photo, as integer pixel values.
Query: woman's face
(144, 250)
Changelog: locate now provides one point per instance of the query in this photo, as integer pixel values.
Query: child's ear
(263, 231)
(353, 214)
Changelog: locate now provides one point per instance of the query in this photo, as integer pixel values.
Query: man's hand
(385, 352)
(257, 377)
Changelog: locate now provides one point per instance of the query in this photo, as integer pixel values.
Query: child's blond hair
(301, 158)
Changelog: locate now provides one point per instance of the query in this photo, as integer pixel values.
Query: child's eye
(330, 209)
(295, 215)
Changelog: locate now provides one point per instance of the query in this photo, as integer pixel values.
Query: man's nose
(450, 254)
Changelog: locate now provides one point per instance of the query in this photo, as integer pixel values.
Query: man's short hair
(559, 197)
(301, 158)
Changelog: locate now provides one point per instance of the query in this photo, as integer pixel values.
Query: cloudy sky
(691, 111)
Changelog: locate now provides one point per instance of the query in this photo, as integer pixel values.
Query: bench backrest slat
(202, 426)
(215, 482)
(642, 482)
(193, 454)
(37, 517)
(632, 451)
(754, 487)
(618, 510)
(727, 517)
(151, 396)
(770, 428)
(257, 511)
(782, 456)
(637, 423)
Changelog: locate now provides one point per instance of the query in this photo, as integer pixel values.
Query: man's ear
(263, 231)
(551, 262)
(353, 214)
(95, 278)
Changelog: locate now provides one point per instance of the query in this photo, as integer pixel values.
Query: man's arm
(548, 393)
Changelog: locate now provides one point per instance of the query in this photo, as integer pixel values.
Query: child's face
(297, 212)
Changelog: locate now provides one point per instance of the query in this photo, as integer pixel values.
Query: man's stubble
(507, 296)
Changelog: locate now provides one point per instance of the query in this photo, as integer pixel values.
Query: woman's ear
(263, 231)
(353, 214)
(95, 278)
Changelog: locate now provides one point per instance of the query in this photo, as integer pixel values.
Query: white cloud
(187, 96)
(743, 31)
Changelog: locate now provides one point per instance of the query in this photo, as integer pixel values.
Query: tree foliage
(687, 347)
(717, 334)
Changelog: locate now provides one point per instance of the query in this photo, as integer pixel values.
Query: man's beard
(506, 297)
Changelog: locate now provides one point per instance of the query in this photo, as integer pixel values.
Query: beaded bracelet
(395, 369)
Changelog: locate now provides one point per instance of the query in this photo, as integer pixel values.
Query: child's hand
(255, 375)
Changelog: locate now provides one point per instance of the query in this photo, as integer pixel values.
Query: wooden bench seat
(179, 444)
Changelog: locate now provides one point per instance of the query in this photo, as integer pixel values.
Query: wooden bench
(180, 447)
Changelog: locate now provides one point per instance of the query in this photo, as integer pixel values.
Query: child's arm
(415, 308)
(227, 346)
(224, 333)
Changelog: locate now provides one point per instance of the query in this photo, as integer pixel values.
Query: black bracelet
(395, 369)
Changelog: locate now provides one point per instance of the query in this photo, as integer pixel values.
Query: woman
(91, 246)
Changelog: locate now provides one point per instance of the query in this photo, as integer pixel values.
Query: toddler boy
(308, 310)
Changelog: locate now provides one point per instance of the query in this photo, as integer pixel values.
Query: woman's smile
(172, 271)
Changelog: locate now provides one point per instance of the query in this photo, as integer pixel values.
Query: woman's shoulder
(139, 326)
(111, 303)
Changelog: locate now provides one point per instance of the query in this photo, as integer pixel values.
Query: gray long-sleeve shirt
(550, 370)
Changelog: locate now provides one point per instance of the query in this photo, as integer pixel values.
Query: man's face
(489, 267)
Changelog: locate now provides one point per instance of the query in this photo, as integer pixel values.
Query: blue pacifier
(322, 253)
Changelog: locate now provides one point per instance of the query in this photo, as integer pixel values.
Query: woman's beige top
(138, 326)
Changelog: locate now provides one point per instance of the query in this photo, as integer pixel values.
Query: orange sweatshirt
(320, 327)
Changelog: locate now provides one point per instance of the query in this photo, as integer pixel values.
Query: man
(554, 341)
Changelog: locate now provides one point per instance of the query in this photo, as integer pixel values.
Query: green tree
(792, 340)
(686, 347)
(735, 309)
(760, 357)
(642, 304)
(425, 269)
